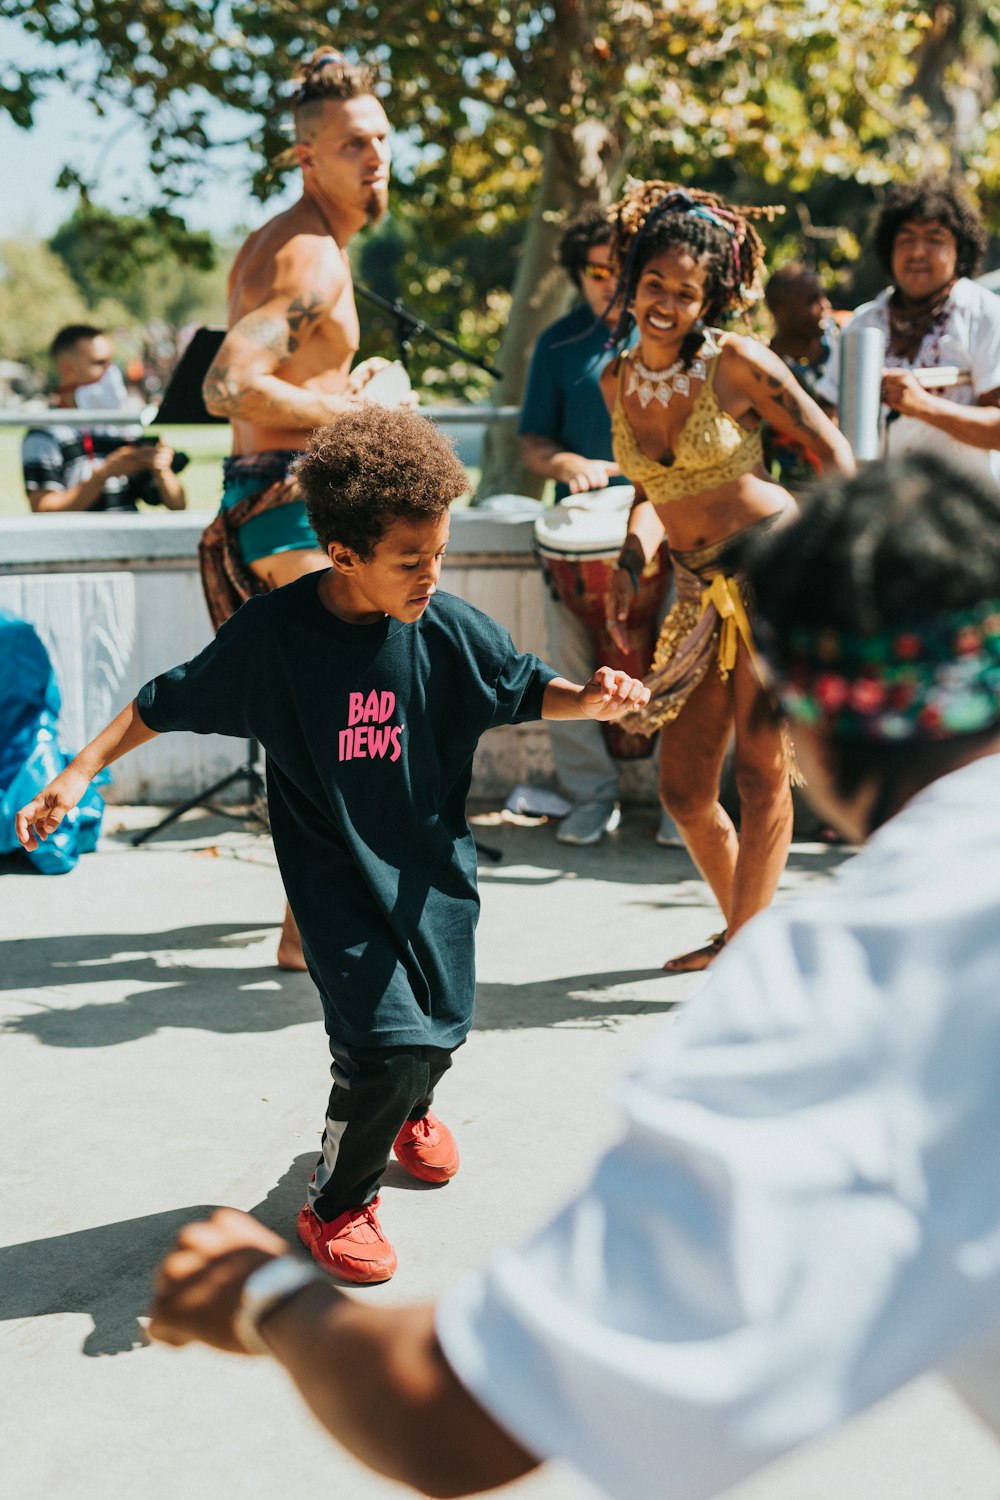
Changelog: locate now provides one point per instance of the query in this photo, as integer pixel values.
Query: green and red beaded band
(932, 680)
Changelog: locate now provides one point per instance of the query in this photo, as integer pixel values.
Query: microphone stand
(407, 326)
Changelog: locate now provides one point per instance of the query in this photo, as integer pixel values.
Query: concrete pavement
(157, 1063)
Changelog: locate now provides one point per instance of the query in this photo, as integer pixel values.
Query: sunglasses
(595, 272)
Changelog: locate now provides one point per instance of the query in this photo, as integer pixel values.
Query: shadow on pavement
(175, 992)
(584, 999)
(107, 1271)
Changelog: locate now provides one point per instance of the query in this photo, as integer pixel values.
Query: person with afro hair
(369, 689)
(930, 239)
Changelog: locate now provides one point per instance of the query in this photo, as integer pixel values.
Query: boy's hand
(609, 694)
(197, 1287)
(44, 813)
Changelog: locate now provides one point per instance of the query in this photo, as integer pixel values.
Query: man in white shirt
(930, 239)
(804, 1210)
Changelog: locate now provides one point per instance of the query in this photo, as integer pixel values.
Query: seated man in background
(566, 436)
(803, 1212)
(81, 468)
(930, 239)
(804, 334)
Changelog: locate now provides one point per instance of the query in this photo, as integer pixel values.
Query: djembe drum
(579, 543)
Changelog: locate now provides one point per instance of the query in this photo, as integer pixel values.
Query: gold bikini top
(712, 447)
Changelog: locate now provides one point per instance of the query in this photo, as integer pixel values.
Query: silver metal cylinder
(862, 360)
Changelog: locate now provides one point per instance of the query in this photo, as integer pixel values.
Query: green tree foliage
(38, 296)
(158, 277)
(521, 112)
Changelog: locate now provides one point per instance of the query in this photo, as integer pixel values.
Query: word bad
(365, 739)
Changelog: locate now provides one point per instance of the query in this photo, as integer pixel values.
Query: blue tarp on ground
(30, 750)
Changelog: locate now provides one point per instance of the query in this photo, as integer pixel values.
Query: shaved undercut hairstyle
(67, 338)
(328, 74)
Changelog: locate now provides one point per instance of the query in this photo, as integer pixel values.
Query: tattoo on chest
(302, 313)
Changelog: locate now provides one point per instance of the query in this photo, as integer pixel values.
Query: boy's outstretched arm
(608, 695)
(44, 813)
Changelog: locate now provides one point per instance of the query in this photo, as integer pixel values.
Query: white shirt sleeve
(42, 461)
(788, 1230)
(984, 343)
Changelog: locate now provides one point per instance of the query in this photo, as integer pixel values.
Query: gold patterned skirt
(709, 617)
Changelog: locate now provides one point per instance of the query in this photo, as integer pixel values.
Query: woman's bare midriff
(704, 519)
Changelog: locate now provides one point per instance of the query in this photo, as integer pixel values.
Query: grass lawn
(206, 447)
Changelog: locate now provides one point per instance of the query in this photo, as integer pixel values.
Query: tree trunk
(955, 74)
(579, 167)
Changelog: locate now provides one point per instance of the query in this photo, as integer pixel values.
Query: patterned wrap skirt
(709, 617)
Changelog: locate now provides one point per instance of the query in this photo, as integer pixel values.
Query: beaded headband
(678, 200)
(932, 680)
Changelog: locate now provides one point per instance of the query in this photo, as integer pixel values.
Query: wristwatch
(264, 1290)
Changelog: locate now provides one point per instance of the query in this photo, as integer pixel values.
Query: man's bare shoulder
(292, 251)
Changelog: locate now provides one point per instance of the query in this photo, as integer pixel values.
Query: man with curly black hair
(930, 239)
(369, 689)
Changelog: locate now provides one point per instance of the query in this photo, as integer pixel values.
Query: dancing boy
(284, 367)
(369, 690)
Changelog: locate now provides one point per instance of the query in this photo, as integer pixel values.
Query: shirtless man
(284, 366)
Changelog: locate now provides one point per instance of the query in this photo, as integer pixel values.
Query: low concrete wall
(117, 599)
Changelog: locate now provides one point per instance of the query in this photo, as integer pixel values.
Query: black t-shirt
(370, 732)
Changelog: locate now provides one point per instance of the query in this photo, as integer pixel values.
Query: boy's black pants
(375, 1091)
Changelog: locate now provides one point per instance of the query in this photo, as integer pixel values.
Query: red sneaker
(427, 1149)
(352, 1246)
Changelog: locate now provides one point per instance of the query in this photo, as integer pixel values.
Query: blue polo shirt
(562, 397)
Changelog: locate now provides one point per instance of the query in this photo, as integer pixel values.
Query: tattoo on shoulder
(778, 392)
(302, 313)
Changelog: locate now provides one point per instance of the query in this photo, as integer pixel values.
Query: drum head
(387, 386)
(592, 525)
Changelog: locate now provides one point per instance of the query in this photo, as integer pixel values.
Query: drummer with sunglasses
(566, 436)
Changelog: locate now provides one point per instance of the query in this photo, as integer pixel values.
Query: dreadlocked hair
(655, 216)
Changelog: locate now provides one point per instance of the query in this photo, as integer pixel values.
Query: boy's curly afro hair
(373, 466)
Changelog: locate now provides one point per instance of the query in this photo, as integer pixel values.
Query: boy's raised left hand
(609, 694)
(43, 814)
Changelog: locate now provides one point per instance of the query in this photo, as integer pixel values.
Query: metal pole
(862, 360)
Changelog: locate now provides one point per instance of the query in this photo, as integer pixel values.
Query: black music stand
(182, 400)
(249, 771)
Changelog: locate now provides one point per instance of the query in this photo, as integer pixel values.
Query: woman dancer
(687, 405)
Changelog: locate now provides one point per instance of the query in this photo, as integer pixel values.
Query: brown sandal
(698, 958)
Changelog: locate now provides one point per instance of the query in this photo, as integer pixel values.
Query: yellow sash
(724, 594)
